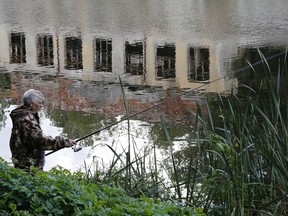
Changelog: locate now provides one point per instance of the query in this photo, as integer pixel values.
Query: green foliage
(60, 192)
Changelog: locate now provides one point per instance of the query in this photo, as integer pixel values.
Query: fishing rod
(165, 101)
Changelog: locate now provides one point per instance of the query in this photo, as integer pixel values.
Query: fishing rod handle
(75, 149)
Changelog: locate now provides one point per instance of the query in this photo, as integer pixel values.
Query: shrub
(60, 192)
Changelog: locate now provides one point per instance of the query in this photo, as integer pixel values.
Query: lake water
(78, 52)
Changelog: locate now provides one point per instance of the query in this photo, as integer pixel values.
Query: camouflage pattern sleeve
(38, 140)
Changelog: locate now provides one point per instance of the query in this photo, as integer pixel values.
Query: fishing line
(167, 100)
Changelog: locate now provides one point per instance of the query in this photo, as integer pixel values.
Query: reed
(248, 171)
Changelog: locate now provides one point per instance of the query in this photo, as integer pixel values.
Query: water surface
(79, 52)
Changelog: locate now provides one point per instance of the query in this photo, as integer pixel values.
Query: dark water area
(97, 60)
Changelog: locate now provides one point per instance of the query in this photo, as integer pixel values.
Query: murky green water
(78, 52)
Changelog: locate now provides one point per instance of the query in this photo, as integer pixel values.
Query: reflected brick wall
(69, 95)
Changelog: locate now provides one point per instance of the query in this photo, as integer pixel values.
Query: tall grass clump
(243, 168)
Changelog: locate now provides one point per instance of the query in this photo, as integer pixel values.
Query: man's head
(33, 99)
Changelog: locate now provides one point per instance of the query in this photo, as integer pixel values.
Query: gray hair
(32, 95)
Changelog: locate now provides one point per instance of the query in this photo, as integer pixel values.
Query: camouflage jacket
(28, 142)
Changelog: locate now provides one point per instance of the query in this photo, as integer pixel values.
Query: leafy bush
(60, 192)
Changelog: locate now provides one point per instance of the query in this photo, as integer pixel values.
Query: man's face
(37, 104)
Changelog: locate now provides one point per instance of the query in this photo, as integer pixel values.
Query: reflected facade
(165, 68)
(141, 43)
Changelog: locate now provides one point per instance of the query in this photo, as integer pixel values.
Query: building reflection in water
(164, 44)
(187, 69)
(186, 66)
(134, 59)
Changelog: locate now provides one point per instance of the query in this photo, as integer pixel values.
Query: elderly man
(28, 142)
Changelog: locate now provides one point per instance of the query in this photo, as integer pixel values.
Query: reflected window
(73, 53)
(199, 64)
(165, 61)
(103, 55)
(17, 48)
(134, 58)
(45, 50)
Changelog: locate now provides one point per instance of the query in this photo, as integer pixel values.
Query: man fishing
(28, 142)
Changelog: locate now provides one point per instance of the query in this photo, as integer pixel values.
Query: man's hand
(71, 143)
